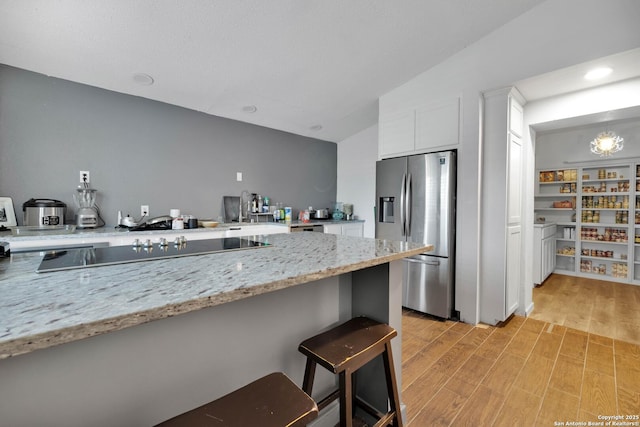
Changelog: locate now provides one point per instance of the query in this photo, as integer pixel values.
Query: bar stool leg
(392, 387)
(346, 402)
(309, 373)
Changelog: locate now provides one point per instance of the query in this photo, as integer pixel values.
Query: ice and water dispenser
(386, 209)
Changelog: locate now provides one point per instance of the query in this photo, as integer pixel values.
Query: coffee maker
(87, 213)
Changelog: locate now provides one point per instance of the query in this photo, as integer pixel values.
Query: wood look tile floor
(525, 372)
(596, 306)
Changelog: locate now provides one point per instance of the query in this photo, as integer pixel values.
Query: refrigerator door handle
(417, 261)
(402, 204)
(409, 203)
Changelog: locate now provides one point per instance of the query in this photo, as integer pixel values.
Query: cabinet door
(538, 255)
(514, 181)
(333, 229)
(548, 256)
(516, 117)
(356, 230)
(397, 133)
(512, 288)
(437, 125)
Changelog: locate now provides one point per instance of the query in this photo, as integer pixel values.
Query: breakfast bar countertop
(42, 310)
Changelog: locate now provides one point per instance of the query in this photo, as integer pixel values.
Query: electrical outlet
(144, 210)
(85, 176)
(238, 176)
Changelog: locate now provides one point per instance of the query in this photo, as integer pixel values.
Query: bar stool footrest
(370, 409)
(327, 400)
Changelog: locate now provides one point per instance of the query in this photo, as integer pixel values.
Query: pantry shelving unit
(597, 213)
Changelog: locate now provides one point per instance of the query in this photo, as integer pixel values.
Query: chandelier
(606, 143)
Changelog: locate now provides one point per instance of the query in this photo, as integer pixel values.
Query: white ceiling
(626, 65)
(302, 64)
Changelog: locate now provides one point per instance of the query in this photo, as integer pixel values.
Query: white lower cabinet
(544, 251)
(356, 229)
(351, 229)
(512, 290)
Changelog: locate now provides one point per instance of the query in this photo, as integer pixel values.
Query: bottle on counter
(260, 204)
(254, 203)
(281, 209)
(177, 223)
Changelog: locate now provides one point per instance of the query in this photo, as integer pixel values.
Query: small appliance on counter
(348, 211)
(87, 214)
(233, 209)
(337, 213)
(43, 212)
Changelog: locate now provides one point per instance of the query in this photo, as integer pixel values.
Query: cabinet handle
(417, 261)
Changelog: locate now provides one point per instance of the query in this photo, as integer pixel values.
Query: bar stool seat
(271, 401)
(345, 349)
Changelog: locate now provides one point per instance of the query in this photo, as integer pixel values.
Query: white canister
(174, 213)
(177, 223)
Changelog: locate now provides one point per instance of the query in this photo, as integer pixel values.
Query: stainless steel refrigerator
(415, 202)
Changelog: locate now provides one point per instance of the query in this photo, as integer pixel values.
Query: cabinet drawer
(548, 231)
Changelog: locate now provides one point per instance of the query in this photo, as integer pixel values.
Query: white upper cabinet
(397, 133)
(437, 125)
(516, 118)
(422, 129)
(514, 180)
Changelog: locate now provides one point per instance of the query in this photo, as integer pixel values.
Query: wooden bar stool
(345, 349)
(271, 401)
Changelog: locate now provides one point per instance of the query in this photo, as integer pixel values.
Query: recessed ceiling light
(249, 108)
(598, 73)
(143, 79)
(316, 127)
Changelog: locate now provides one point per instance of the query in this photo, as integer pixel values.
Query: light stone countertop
(42, 310)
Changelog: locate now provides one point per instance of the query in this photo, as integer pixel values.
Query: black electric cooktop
(94, 257)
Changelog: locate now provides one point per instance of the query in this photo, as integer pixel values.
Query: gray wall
(145, 152)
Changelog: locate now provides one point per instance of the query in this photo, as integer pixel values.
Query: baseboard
(529, 309)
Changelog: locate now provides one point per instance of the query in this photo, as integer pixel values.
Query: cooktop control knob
(136, 243)
(163, 242)
(147, 243)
